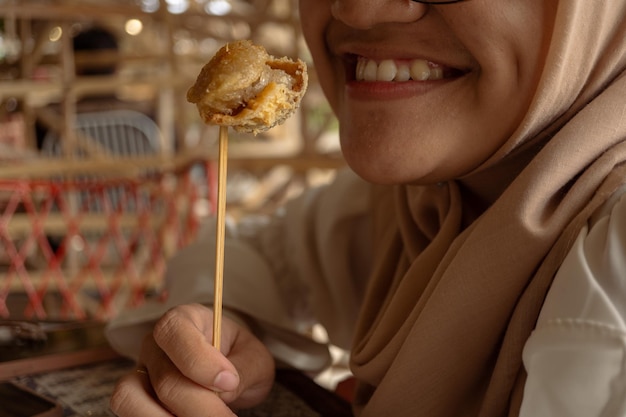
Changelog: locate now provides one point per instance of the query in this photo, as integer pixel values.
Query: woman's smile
(426, 93)
(389, 79)
(401, 70)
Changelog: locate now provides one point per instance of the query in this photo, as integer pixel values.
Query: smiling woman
(479, 269)
(461, 86)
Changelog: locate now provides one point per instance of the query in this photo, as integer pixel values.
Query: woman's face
(481, 59)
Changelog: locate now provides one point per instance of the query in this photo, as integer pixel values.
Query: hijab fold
(454, 298)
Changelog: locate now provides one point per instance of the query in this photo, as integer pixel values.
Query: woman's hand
(182, 374)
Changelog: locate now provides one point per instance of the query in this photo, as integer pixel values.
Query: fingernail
(225, 381)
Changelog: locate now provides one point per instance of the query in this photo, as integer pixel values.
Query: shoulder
(591, 283)
(575, 356)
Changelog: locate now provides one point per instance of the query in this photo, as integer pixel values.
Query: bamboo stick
(220, 236)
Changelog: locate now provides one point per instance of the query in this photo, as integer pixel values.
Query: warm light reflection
(133, 27)
(218, 7)
(149, 6)
(55, 34)
(177, 6)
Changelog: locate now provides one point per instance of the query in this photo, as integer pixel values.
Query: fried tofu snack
(244, 87)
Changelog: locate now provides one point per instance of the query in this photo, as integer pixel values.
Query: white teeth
(420, 70)
(388, 70)
(403, 73)
(436, 74)
(360, 70)
(370, 71)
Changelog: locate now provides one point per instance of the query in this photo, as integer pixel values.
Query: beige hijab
(444, 337)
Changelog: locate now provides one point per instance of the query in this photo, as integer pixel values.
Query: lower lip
(382, 90)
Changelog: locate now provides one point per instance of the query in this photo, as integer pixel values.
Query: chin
(382, 165)
(375, 170)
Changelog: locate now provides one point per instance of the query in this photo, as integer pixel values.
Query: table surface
(73, 365)
(85, 391)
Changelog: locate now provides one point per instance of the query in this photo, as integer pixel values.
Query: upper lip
(348, 46)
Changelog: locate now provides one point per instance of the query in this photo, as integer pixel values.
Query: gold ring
(143, 371)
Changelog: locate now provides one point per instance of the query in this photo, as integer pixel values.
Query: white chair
(117, 132)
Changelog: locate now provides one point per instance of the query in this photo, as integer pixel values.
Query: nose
(364, 14)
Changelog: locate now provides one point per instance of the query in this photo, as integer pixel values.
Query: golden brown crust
(244, 87)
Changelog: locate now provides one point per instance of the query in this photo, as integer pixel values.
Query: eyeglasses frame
(438, 2)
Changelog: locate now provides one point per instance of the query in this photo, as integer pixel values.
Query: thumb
(255, 368)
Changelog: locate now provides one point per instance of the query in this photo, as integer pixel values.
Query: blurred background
(105, 169)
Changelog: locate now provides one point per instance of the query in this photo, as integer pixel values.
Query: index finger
(184, 334)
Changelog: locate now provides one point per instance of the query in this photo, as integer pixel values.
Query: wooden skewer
(220, 235)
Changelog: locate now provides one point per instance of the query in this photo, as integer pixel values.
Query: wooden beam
(39, 90)
(56, 224)
(68, 10)
(42, 168)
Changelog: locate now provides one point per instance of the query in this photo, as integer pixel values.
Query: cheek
(512, 63)
(408, 141)
(307, 12)
(315, 17)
